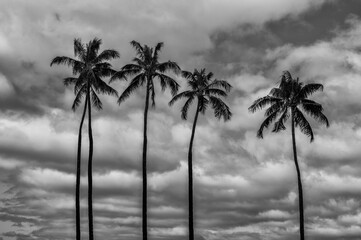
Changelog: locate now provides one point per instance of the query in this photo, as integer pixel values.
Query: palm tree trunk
(77, 184)
(90, 174)
(300, 192)
(144, 165)
(190, 178)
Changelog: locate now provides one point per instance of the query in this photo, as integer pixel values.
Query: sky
(245, 187)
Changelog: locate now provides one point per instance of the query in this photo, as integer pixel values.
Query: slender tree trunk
(90, 174)
(190, 178)
(78, 167)
(299, 181)
(144, 165)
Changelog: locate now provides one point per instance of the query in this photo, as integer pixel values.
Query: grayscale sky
(245, 187)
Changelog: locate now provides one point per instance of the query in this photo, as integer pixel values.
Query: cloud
(6, 88)
(47, 178)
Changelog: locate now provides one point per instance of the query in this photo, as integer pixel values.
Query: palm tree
(207, 92)
(90, 68)
(288, 99)
(146, 67)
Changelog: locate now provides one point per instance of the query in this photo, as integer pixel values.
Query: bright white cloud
(275, 214)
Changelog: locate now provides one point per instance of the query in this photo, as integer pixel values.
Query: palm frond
(169, 66)
(78, 97)
(203, 104)
(277, 92)
(139, 62)
(134, 84)
(185, 94)
(221, 84)
(102, 65)
(69, 81)
(127, 70)
(103, 70)
(277, 106)
(80, 82)
(202, 72)
(120, 75)
(266, 123)
(132, 67)
(79, 49)
(209, 75)
(309, 89)
(157, 49)
(220, 108)
(263, 102)
(215, 92)
(307, 102)
(184, 110)
(107, 55)
(280, 123)
(138, 48)
(78, 68)
(167, 81)
(302, 123)
(95, 100)
(93, 49)
(314, 110)
(187, 75)
(65, 61)
(148, 55)
(100, 86)
(163, 84)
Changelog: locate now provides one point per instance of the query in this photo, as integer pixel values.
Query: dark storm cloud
(312, 26)
(239, 49)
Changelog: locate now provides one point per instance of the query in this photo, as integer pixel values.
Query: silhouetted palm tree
(90, 68)
(146, 68)
(207, 92)
(287, 101)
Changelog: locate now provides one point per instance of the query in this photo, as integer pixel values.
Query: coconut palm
(206, 92)
(146, 68)
(90, 67)
(290, 99)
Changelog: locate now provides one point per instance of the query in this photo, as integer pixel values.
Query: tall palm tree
(146, 67)
(90, 67)
(290, 99)
(207, 92)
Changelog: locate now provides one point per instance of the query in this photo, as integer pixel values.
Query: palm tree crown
(91, 67)
(290, 96)
(207, 91)
(147, 67)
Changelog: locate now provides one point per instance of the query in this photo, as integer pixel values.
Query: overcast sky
(245, 187)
